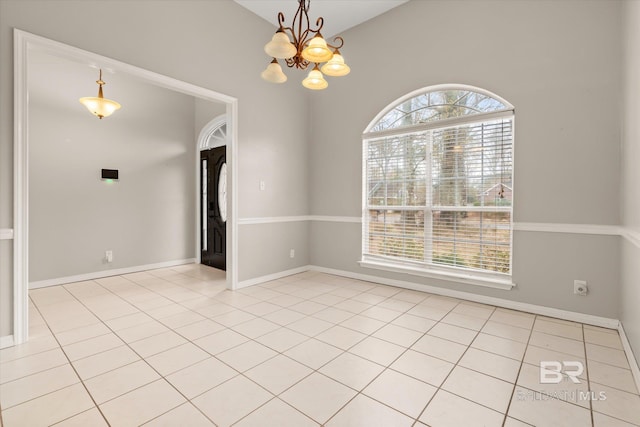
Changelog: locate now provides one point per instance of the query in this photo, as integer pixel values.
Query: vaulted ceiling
(339, 15)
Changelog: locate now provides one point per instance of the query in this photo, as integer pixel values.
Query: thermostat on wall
(110, 174)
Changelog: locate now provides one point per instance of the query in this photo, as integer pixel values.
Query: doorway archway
(211, 238)
(24, 44)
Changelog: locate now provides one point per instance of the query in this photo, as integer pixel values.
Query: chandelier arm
(281, 20)
(337, 46)
(303, 35)
(298, 62)
(292, 35)
(303, 39)
(319, 24)
(300, 13)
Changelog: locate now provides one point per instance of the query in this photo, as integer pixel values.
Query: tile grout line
(72, 367)
(515, 383)
(317, 370)
(586, 361)
(132, 349)
(161, 376)
(455, 365)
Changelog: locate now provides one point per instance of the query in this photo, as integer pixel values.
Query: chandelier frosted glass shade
(273, 73)
(336, 66)
(280, 46)
(317, 50)
(315, 80)
(100, 106)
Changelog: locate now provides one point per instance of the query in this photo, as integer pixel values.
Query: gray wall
(280, 241)
(205, 112)
(148, 216)
(198, 42)
(630, 289)
(565, 86)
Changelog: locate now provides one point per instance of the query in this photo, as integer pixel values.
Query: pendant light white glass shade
(317, 50)
(100, 107)
(336, 66)
(280, 46)
(273, 73)
(315, 80)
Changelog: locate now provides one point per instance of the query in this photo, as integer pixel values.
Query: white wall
(217, 45)
(630, 289)
(559, 64)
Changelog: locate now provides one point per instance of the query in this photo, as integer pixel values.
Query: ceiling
(339, 15)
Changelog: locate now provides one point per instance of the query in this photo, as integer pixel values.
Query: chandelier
(308, 47)
(100, 106)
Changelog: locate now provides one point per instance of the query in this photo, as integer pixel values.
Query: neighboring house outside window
(438, 185)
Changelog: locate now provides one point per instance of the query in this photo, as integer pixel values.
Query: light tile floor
(172, 347)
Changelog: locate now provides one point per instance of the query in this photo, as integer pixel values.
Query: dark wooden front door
(213, 200)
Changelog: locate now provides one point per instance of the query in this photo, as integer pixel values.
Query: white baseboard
(107, 273)
(633, 362)
(604, 322)
(6, 341)
(274, 276)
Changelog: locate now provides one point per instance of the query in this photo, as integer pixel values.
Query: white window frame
(455, 274)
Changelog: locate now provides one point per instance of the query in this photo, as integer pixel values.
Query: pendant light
(315, 80)
(100, 106)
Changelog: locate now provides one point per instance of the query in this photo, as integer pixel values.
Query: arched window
(438, 185)
(213, 134)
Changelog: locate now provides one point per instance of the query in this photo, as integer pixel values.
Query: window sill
(465, 278)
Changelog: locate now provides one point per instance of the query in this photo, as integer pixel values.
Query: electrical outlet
(108, 255)
(580, 287)
(292, 253)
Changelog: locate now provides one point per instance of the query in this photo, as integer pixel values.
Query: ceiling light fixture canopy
(100, 106)
(300, 45)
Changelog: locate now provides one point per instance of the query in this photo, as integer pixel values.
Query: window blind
(442, 196)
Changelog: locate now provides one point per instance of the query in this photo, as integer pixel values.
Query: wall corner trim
(6, 341)
(298, 218)
(6, 233)
(107, 273)
(633, 236)
(272, 219)
(607, 230)
(328, 218)
(633, 362)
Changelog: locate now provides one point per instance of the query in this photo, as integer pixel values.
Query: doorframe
(23, 43)
(203, 136)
